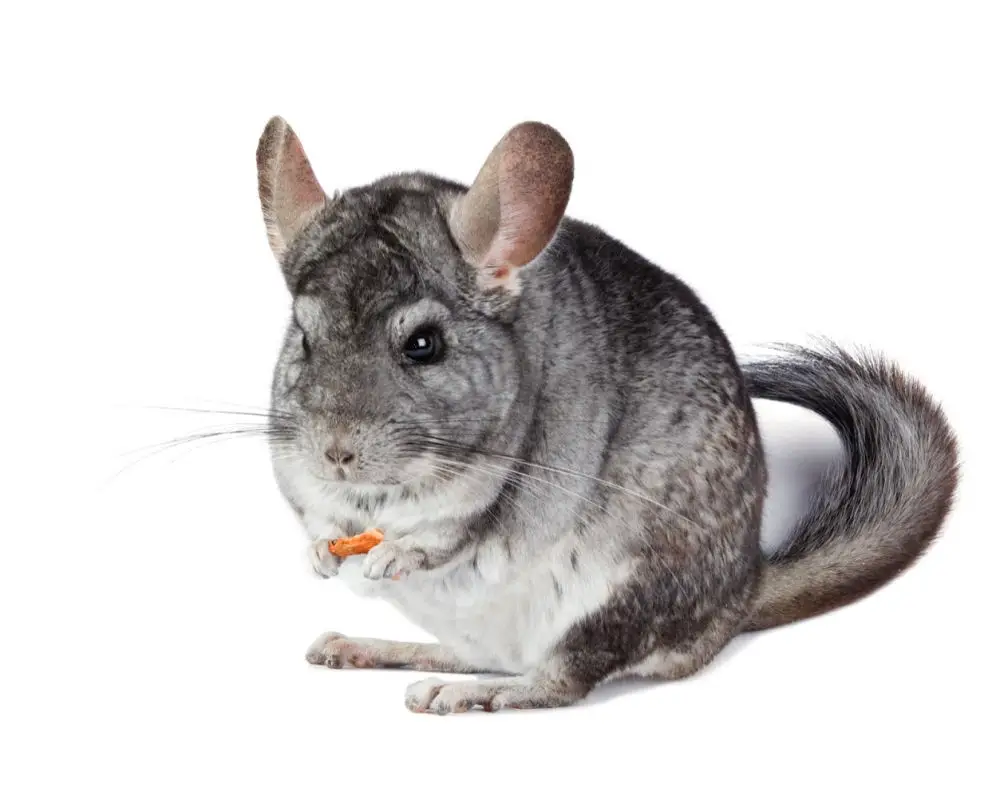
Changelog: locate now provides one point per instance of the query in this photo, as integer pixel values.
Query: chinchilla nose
(342, 451)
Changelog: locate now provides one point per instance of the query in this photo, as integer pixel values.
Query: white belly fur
(508, 615)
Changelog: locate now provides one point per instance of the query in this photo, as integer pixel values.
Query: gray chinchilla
(556, 438)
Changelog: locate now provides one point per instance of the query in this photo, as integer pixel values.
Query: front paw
(324, 563)
(393, 559)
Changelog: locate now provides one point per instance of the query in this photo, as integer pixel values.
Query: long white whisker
(572, 473)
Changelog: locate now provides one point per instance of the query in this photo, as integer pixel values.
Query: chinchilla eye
(424, 345)
(306, 349)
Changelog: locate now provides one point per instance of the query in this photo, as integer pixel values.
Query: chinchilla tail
(876, 513)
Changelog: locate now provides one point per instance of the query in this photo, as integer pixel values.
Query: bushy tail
(877, 513)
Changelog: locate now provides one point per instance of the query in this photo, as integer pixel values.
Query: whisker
(266, 413)
(645, 538)
(237, 430)
(462, 479)
(520, 480)
(521, 484)
(482, 420)
(462, 474)
(569, 473)
(200, 439)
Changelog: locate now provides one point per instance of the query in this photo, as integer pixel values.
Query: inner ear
(513, 208)
(289, 192)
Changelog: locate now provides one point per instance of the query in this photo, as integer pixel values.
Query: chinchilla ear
(513, 209)
(289, 192)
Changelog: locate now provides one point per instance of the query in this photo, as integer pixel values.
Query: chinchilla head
(399, 344)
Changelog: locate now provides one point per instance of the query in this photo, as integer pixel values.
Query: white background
(808, 168)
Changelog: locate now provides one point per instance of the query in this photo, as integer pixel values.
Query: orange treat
(356, 545)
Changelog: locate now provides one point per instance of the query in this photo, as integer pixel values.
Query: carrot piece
(356, 545)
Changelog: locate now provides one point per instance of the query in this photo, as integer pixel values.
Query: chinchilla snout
(353, 450)
(342, 452)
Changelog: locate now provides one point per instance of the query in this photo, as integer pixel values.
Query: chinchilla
(556, 438)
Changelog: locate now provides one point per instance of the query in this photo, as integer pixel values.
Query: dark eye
(306, 350)
(424, 345)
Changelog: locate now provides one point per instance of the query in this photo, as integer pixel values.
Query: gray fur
(881, 509)
(595, 512)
